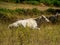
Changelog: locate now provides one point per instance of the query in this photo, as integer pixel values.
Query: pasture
(49, 34)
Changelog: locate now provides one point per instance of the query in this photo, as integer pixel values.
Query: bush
(35, 2)
(36, 11)
(52, 11)
(20, 11)
(9, 14)
(32, 2)
(57, 3)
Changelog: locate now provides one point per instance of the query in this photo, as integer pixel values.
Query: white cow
(31, 23)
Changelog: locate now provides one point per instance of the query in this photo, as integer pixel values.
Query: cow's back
(31, 23)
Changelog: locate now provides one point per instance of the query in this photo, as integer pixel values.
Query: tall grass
(8, 14)
(21, 11)
(47, 35)
(13, 15)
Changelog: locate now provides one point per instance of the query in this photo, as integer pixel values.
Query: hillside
(36, 2)
(25, 6)
(49, 34)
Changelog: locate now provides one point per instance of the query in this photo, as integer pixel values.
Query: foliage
(21, 11)
(13, 15)
(47, 35)
(52, 11)
(34, 2)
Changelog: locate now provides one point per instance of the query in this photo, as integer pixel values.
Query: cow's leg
(37, 28)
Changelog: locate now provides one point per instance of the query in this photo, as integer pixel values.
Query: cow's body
(31, 23)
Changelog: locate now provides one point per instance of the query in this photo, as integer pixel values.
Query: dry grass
(48, 35)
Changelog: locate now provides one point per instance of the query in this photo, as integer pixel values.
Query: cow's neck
(38, 21)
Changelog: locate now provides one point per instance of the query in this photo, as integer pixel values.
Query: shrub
(35, 2)
(9, 14)
(20, 11)
(32, 2)
(57, 3)
(52, 11)
(36, 11)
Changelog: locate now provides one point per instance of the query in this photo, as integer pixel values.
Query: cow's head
(41, 19)
(44, 18)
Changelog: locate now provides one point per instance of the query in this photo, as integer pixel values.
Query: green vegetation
(35, 2)
(48, 34)
(13, 15)
(33, 11)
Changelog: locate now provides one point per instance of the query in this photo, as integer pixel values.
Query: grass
(36, 2)
(47, 35)
(13, 15)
